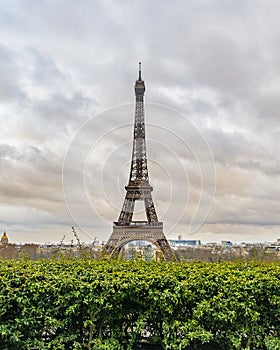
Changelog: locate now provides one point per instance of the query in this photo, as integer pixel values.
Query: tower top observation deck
(139, 84)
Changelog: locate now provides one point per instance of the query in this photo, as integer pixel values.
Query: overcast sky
(212, 75)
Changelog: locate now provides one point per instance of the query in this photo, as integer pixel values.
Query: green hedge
(85, 304)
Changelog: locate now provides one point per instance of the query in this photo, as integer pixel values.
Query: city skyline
(66, 90)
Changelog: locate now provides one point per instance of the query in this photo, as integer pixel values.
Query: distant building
(29, 250)
(226, 243)
(4, 239)
(184, 242)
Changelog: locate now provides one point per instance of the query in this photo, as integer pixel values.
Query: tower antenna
(139, 71)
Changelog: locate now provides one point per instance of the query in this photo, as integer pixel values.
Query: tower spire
(139, 71)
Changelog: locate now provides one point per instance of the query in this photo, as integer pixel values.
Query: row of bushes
(85, 304)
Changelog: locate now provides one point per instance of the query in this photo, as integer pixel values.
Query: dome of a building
(4, 238)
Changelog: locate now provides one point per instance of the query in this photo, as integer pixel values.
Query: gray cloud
(63, 63)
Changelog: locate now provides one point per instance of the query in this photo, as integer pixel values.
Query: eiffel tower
(125, 229)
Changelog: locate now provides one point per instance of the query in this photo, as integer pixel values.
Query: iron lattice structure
(125, 229)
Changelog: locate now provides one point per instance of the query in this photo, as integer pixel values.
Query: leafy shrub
(86, 304)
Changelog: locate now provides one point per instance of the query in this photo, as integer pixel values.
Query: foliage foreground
(86, 304)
